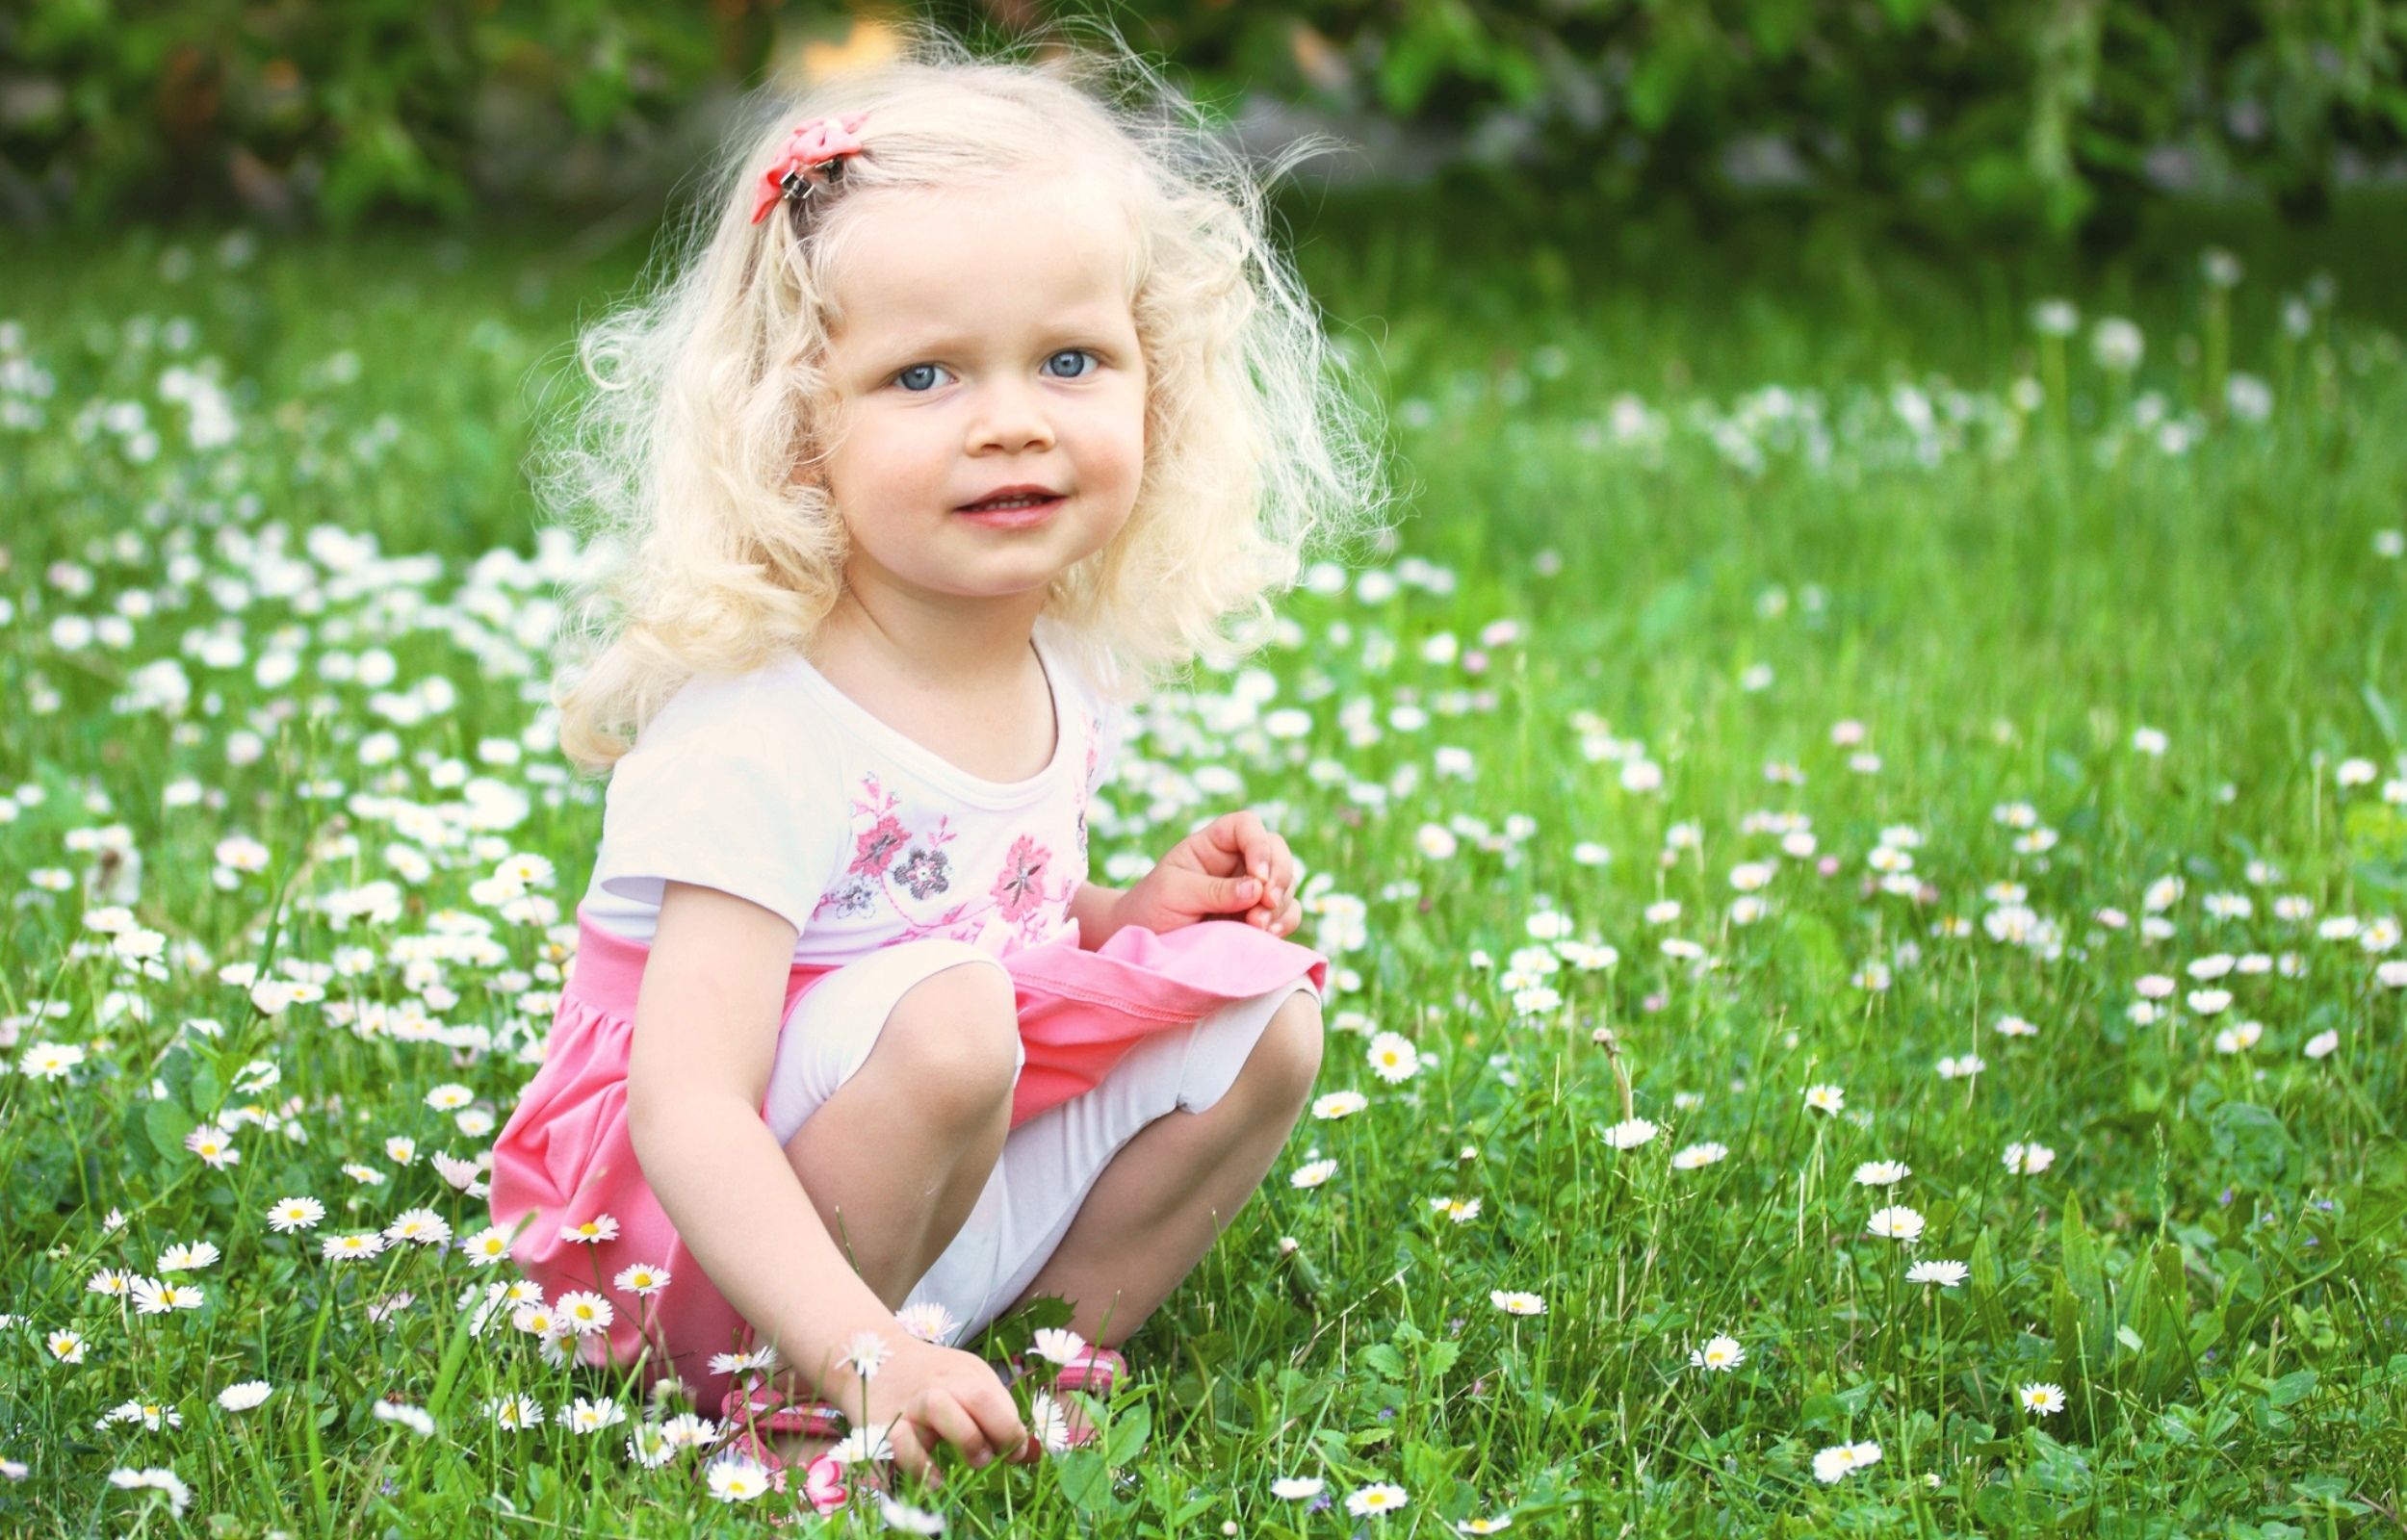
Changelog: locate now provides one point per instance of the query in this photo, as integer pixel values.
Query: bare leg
(1170, 1192)
(896, 1158)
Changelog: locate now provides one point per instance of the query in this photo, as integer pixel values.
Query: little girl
(980, 402)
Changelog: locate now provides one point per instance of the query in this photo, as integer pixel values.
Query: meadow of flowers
(1866, 908)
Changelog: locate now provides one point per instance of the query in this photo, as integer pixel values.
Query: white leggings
(1049, 1162)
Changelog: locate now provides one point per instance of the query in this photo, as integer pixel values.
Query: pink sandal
(759, 1412)
(1095, 1372)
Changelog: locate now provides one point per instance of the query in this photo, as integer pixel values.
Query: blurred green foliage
(1957, 117)
(2030, 112)
(344, 111)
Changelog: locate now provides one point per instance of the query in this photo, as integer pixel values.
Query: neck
(965, 644)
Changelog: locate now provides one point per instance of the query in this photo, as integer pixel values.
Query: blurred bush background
(1969, 118)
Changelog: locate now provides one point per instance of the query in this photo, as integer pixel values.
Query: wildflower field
(1862, 826)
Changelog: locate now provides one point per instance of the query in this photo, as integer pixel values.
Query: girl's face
(984, 344)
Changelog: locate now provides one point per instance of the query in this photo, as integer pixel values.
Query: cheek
(1129, 437)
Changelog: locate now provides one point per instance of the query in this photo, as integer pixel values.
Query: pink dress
(565, 1165)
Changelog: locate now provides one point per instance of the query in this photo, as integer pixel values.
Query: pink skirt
(565, 1164)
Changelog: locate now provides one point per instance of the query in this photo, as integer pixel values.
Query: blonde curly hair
(715, 556)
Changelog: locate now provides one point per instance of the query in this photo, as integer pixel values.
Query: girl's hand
(926, 1396)
(1232, 868)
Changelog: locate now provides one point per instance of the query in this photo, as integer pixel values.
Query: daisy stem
(309, 1422)
(1940, 1337)
(75, 1138)
(455, 1354)
(258, 1465)
(1621, 1075)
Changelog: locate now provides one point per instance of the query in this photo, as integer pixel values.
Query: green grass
(2211, 1269)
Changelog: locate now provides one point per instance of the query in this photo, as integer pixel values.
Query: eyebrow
(1090, 322)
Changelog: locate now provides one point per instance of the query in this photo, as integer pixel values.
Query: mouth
(1013, 507)
(1011, 499)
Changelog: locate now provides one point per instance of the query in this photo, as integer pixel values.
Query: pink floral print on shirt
(1019, 886)
(903, 872)
(877, 845)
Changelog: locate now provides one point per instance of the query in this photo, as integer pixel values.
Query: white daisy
(1694, 1156)
(1057, 1345)
(866, 1354)
(516, 1413)
(592, 1416)
(486, 1247)
(2029, 1160)
(2041, 1399)
(1898, 1222)
(928, 1320)
(295, 1213)
(154, 1298)
(243, 1396)
(1834, 1463)
(734, 1478)
(584, 1313)
(1393, 1058)
(1048, 1422)
(1630, 1133)
(1379, 1496)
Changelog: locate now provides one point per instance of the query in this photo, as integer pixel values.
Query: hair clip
(822, 142)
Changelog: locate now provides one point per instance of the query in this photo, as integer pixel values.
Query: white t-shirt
(776, 786)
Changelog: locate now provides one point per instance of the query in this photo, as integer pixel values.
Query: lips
(1011, 499)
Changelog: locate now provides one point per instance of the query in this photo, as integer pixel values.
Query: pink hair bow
(811, 145)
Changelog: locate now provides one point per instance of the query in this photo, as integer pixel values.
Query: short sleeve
(727, 787)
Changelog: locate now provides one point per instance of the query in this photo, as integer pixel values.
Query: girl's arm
(706, 1035)
(1097, 910)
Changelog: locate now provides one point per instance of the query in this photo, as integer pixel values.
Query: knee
(954, 1039)
(1280, 1071)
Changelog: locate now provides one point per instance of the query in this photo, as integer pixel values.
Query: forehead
(977, 260)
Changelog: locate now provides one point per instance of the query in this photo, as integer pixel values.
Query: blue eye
(905, 378)
(1075, 352)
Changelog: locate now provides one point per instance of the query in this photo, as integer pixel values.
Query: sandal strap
(1096, 1371)
(771, 1411)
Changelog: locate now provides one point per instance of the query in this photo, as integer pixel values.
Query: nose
(1009, 416)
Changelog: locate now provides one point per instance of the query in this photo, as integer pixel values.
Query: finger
(998, 1420)
(1199, 894)
(949, 1421)
(909, 1449)
(1289, 918)
(1283, 875)
(1265, 852)
(1240, 834)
